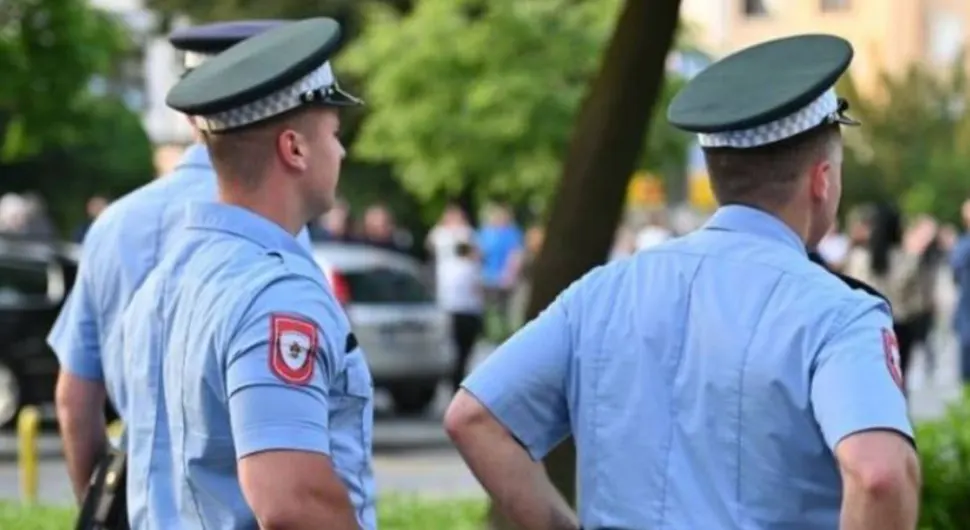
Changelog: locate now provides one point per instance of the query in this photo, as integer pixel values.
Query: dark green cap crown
(782, 86)
(264, 76)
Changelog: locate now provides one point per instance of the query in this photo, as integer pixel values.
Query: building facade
(144, 79)
(888, 35)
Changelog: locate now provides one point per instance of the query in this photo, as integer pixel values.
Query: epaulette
(853, 283)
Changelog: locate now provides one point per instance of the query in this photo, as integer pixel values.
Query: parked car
(35, 278)
(405, 336)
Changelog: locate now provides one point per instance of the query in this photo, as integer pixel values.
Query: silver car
(405, 336)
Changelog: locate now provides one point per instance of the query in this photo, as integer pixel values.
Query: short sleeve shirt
(235, 345)
(706, 381)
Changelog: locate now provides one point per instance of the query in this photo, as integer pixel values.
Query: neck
(798, 219)
(268, 202)
(792, 216)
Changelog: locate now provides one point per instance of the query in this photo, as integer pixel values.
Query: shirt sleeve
(524, 383)
(75, 335)
(857, 382)
(279, 367)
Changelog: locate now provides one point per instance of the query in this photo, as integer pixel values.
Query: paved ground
(413, 456)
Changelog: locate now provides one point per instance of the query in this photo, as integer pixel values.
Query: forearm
(295, 490)
(314, 514)
(519, 487)
(866, 512)
(85, 442)
(894, 507)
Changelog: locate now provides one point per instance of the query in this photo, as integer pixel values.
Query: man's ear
(819, 179)
(292, 149)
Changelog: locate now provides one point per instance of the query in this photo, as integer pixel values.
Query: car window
(375, 286)
(22, 280)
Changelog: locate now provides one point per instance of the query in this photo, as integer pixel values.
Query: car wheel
(9, 395)
(413, 400)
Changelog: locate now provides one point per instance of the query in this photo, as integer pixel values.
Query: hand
(948, 237)
(919, 237)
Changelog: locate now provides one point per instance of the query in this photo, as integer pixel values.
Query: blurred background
(452, 167)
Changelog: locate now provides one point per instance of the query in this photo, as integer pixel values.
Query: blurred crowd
(906, 260)
(25, 215)
(483, 271)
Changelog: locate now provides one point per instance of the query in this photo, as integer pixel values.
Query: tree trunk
(607, 139)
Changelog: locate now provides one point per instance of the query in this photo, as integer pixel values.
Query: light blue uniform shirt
(960, 263)
(123, 245)
(706, 381)
(211, 373)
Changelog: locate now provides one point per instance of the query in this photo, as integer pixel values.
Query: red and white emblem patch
(891, 347)
(293, 346)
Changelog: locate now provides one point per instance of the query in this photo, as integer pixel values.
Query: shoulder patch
(891, 349)
(292, 348)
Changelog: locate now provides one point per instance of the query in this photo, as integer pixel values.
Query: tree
(911, 147)
(607, 138)
(67, 174)
(49, 50)
(464, 94)
(345, 11)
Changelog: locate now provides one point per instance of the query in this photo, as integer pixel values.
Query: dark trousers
(923, 329)
(465, 330)
(907, 335)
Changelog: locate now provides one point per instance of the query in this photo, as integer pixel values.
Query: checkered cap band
(277, 103)
(816, 112)
(194, 59)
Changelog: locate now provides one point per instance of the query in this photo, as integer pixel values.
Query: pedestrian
(93, 208)
(501, 243)
(892, 263)
(720, 379)
(254, 402)
(960, 265)
(126, 241)
(461, 294)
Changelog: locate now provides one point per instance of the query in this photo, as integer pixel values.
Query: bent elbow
(279, 516)
(889, 478)
(463, 415)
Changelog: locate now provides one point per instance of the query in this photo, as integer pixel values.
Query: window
(385, 286)
(946, 35)
(22, 282)
(126, 81)
(129, 82)
(834, 5)
(755, 8)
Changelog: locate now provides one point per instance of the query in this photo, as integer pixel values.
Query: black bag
(105, 505)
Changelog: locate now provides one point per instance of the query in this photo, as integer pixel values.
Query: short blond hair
(243, 154)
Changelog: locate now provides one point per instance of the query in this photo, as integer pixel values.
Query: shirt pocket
(352, 418)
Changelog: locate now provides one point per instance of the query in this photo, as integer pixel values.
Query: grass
(394, 513)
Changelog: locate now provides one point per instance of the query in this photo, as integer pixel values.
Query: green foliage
(49, 50)
(346, 11)
(944, 447)
(394, 513)
(112, 157)
(912, 145)
(466, 94)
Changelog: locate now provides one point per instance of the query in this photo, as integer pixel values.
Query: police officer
(719, 380)
(248, 401)
(122, 246)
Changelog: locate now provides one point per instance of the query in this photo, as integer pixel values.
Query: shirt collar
(196, 156)
(738, 218)
(240, 222)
